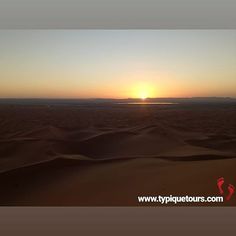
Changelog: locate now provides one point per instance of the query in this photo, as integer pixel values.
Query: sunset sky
(117, 64)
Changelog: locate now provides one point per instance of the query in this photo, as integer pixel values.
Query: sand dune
(108, 155)
(64, 181)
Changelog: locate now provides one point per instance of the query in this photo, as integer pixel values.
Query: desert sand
(108, 154)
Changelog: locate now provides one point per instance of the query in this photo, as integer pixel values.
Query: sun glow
(144, 95)
(143, 91)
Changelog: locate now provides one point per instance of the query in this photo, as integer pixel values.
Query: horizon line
(101, 98)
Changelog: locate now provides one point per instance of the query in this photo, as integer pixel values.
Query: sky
(117, 63)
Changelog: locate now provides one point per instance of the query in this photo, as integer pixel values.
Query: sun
(143, 95)
(143, 91)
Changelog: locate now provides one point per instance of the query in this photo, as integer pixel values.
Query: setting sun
(143, 95)
(143, 91)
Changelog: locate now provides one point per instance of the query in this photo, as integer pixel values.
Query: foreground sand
(107, 155)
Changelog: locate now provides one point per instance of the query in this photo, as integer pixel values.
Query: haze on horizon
(117, 63)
